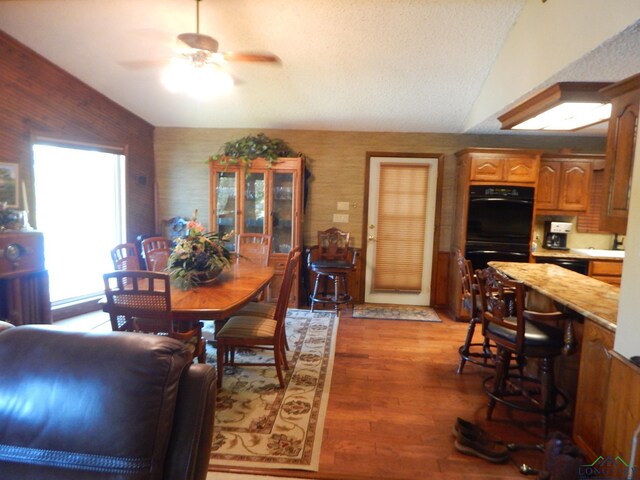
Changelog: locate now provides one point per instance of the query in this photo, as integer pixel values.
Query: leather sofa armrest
(190, 443)
(5, 326)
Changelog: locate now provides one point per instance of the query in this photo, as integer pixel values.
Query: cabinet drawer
(602, 267)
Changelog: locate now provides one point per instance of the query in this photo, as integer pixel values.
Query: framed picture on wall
(9, 184)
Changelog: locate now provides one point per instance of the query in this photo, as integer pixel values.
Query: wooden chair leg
(278, 360)
(464, 353)
(502, 370)
(220, 361)
(315, 291)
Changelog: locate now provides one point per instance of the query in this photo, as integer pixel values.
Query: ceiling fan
(204, 49)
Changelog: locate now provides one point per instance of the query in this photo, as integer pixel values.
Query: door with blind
(400, 230)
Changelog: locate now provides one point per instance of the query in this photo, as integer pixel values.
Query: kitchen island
(606, 407)
(591, 298)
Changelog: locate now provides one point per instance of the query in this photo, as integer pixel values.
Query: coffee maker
(555, 235)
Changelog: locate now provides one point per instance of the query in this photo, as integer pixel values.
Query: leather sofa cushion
(87, 402)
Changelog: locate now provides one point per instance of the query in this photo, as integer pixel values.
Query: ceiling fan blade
(199, 41)
(250, 57)
(143, 64)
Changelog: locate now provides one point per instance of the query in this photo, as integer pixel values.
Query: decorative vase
(204, 278)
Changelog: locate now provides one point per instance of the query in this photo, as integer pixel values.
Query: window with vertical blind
(402, 214)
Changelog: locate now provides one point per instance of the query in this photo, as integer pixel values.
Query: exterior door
(400, 229)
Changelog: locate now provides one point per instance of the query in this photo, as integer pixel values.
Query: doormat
(258, 424)
(395, 312)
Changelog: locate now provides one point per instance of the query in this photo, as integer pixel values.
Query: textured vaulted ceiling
(360, 65)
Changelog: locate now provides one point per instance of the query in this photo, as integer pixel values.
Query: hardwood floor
(394, 399)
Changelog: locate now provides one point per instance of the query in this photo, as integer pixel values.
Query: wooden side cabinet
(24, 282)
(591, 398)
(261, 199)
(621, 140)
(564, 183)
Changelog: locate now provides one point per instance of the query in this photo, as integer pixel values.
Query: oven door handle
(502, 200)
(518, 254)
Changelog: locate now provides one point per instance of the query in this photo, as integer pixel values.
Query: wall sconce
(562, 106)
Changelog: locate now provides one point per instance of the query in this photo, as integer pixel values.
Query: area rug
(395, 312)
(260, 425)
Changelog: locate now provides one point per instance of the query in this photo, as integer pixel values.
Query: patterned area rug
(261, 425)
(395, 312)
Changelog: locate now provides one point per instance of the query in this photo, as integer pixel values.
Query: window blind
(401, 224)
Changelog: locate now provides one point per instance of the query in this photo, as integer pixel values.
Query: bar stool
(521, 333)
(331, 263)
(478, 353)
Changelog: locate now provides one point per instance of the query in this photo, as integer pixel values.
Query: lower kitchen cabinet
(593, 383)
(606, 271)
(623, 409)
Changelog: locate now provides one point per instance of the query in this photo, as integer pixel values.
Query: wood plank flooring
(394, 399)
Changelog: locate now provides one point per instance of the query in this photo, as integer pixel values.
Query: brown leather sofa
(94, 406)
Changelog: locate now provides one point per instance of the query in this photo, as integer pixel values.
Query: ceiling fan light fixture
(199, 81)
(563, 106)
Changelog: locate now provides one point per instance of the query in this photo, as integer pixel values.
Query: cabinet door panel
(548, 186)
(521, 170)
(486, 169)
(225, 188)
(595, 362)
(574, 186)
(282, 213)
(254, 203)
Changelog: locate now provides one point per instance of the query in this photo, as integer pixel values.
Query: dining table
(220, 298)
(236, 286)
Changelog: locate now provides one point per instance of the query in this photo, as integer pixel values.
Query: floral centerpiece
(198, 256)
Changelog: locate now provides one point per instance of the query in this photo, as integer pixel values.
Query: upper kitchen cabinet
(621, 139)
(501, 166)
(564, 183)
(261, 199)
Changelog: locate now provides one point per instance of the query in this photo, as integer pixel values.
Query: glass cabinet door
(254, 206)
(282, 230)
(226, 205)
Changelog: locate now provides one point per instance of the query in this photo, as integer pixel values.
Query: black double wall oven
(499, 220)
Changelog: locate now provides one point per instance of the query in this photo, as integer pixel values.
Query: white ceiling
(357, 65)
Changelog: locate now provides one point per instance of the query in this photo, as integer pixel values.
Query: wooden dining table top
(231, 290)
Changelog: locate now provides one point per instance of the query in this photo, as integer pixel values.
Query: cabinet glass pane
(282, 212)
(226, 205)
(254, 203)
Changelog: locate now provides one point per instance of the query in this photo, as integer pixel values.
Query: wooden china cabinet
(262, 198)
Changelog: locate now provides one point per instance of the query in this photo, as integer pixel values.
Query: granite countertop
(543, 252)
(595, 300)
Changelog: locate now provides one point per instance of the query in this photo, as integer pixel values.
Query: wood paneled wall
(337, 166)
(40, 100)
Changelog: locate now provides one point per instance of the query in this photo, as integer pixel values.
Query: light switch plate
(343, 205)
(340, 218)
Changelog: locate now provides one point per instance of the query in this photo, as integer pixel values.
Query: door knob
(372, 238)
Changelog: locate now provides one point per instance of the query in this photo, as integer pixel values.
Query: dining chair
(156, 252)
(521, 333)
(256, 331)
(140, 301)
(125, 257)
(268, 309)
(256, 247)
(331, 259)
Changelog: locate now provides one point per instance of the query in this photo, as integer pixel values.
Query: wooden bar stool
(520, 333)
(331, 263)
